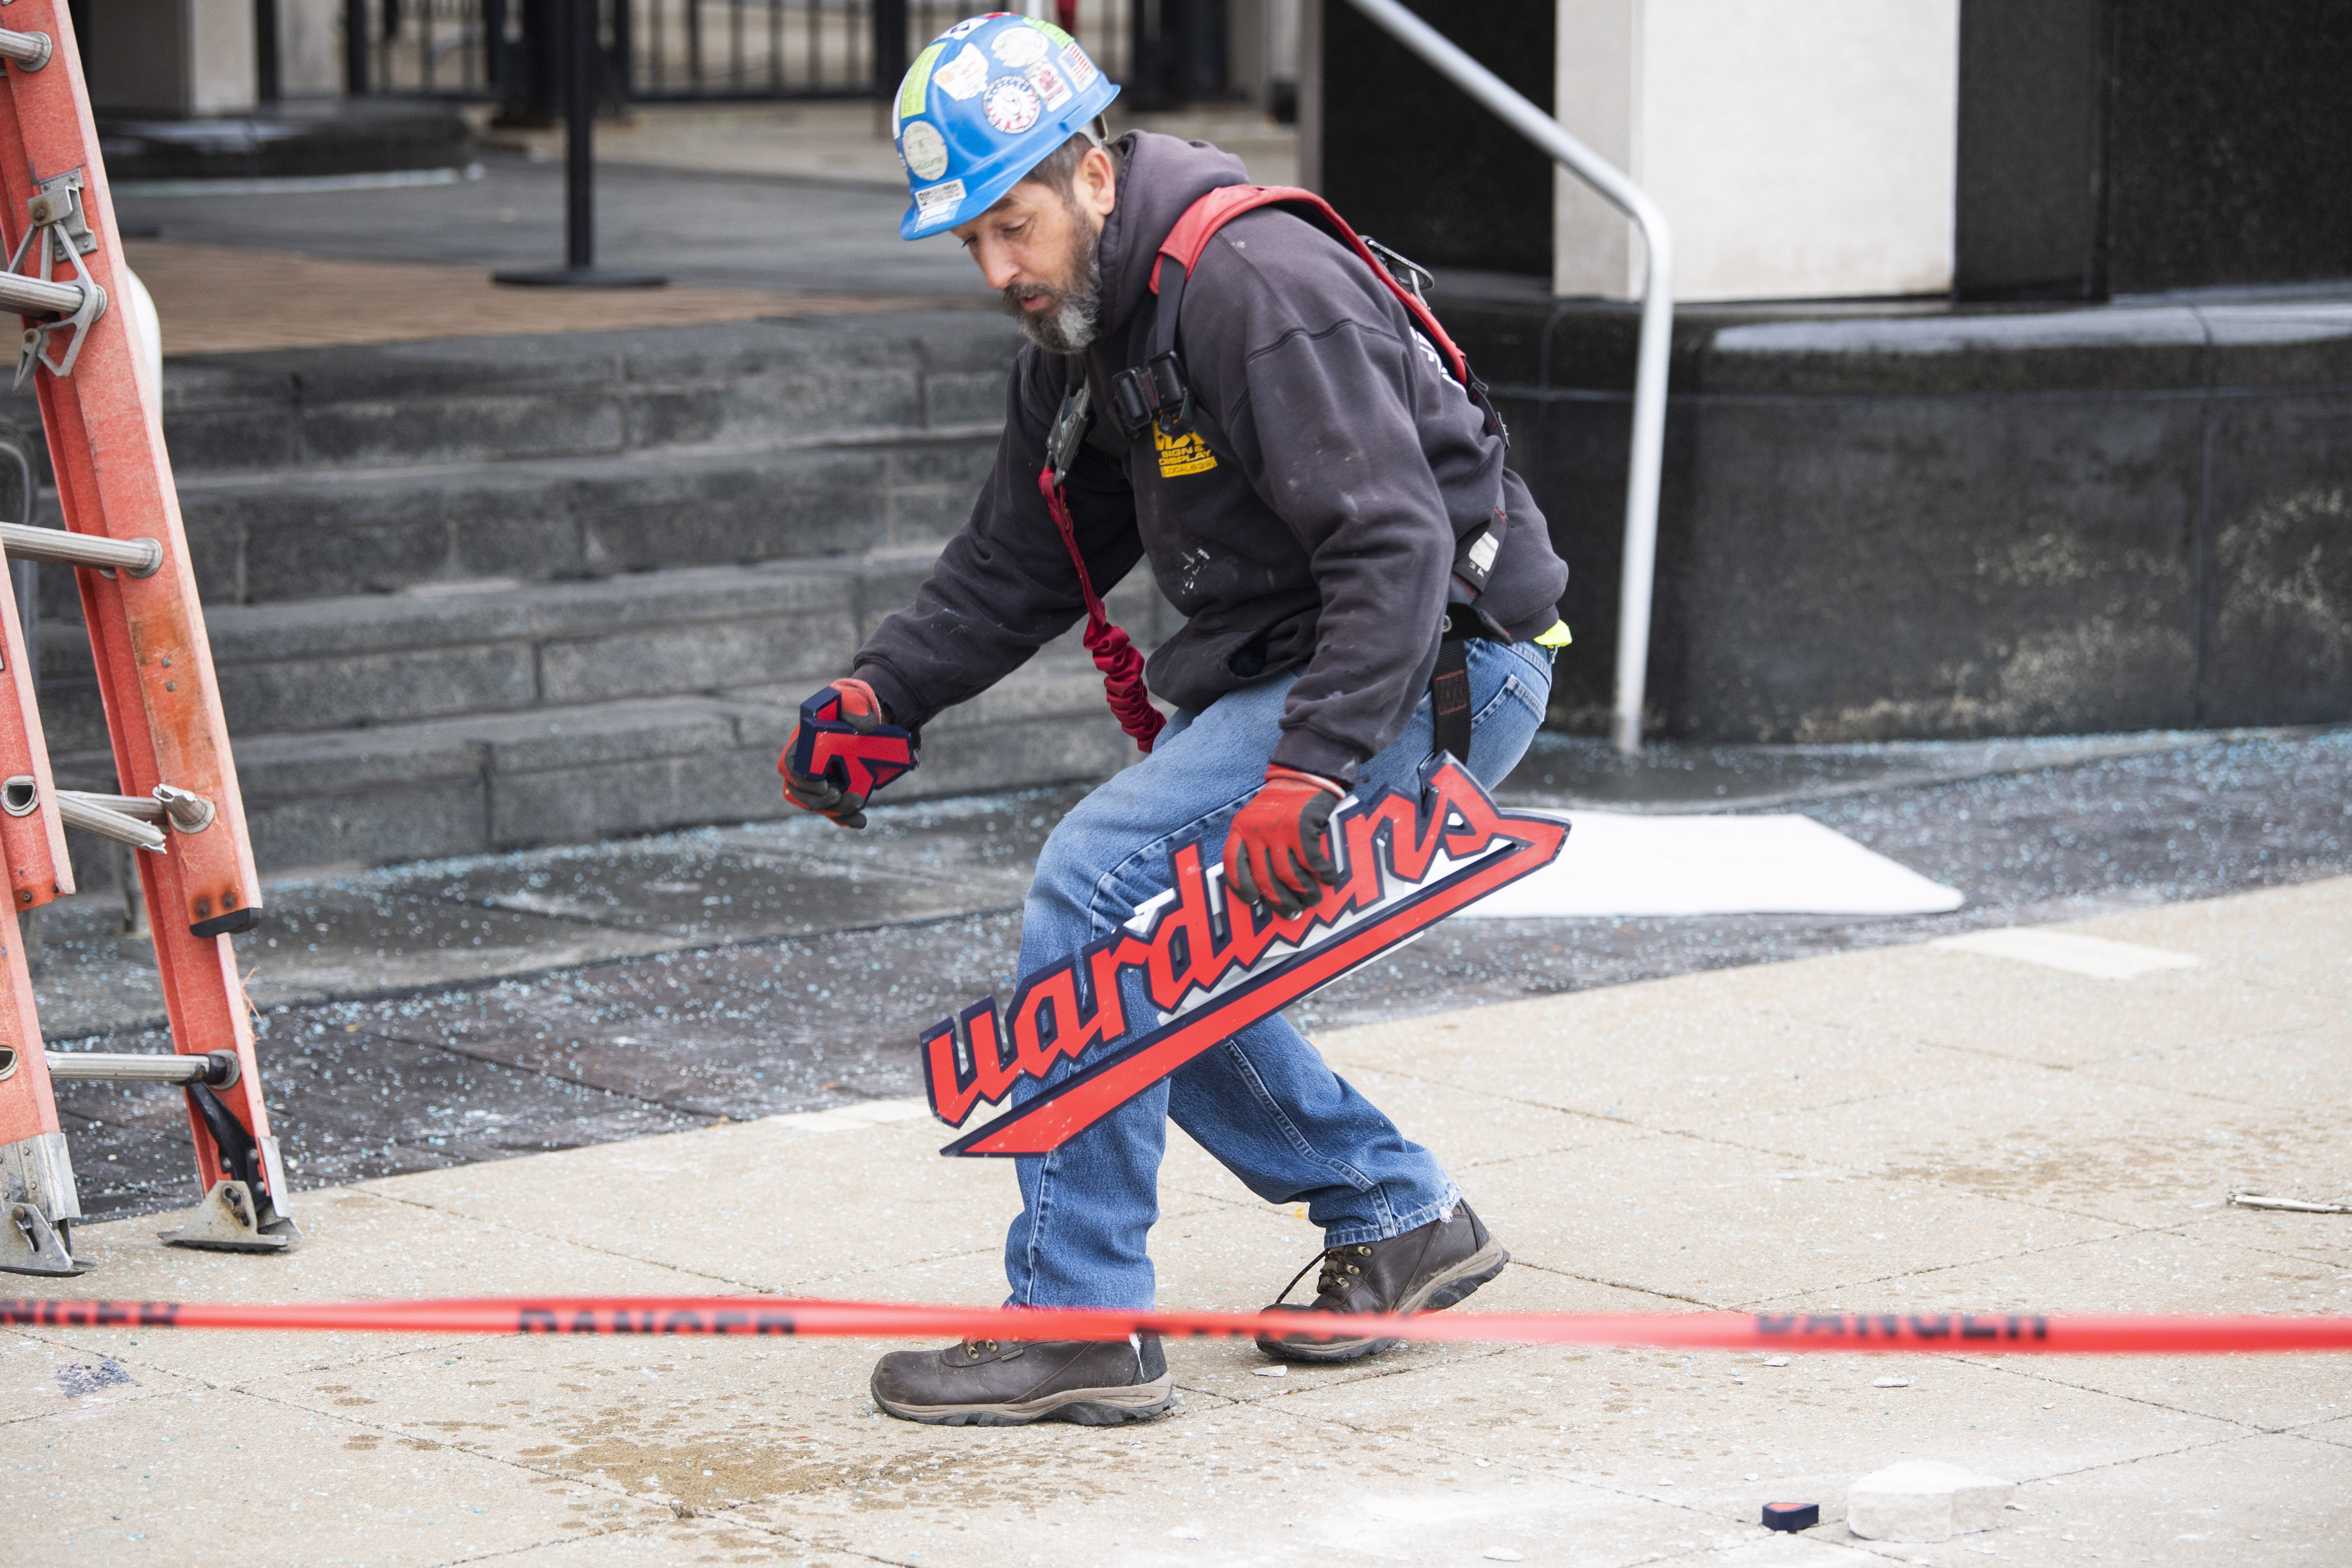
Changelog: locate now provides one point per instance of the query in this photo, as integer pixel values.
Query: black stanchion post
(889, 44)
(355, 46)
(581, 91)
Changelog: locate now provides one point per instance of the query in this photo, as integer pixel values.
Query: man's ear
(1094, 184)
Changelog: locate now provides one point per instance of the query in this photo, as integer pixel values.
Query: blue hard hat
(988, 102)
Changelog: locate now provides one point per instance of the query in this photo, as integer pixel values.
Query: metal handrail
(1639, 576)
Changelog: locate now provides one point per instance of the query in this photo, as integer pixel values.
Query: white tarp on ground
(1619, 864)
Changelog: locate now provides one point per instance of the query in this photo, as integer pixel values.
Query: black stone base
(343, 136)
(1891, 520)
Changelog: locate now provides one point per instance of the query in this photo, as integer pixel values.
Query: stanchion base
(579, 278)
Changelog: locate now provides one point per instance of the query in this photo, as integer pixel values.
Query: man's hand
(843, 749)
(1275, 851)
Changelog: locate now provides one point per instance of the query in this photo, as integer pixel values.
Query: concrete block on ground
(1924, 1501)
(370, 826)
(370, 795)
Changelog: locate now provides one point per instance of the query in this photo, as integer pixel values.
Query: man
(1311, 523)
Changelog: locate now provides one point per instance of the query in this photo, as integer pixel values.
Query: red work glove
(1275, 851)
(844, 807)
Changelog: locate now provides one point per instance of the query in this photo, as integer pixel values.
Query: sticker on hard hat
(963, 76)
(971, 24)
(938, 201)
(925, 150)
(915, 91)
(1049, 84)
(1081, 70)
(1010, 105)
(1018, 46)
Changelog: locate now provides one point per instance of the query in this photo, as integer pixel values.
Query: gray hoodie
(1315, 527)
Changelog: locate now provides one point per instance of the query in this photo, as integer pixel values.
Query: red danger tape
(1981, 1333)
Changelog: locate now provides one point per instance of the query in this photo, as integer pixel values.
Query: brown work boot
(1424, 1270)
(991, 1383)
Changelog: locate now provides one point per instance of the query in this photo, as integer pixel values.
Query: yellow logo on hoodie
(1185, 454)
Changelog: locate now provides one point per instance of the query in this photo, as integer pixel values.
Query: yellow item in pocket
(1185, 454)
(1555, 637)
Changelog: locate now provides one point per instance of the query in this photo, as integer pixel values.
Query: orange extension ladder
(179, 803)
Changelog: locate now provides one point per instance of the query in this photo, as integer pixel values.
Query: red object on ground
(1966, 1333)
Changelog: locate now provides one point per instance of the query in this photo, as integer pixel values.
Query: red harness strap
(1114, 656)
(1221, 206)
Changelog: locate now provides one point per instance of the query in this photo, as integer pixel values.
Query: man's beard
(1068, 324)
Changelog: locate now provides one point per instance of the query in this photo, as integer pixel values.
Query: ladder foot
(37, 1207)
(30, 1244)
(225, 1222)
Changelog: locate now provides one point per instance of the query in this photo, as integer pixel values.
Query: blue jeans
(1264, 1102)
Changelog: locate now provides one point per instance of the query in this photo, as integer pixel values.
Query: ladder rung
(140, 557)
(217, 1068)
(31, 50)
(33, 297)
(138, 805)
(75, 812)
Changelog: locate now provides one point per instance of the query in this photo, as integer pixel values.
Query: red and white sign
(1206, 959)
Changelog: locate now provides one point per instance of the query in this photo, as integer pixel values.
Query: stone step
(376, 659)
(336, 677)
(465, 400)
(323, 533)
(565, 774)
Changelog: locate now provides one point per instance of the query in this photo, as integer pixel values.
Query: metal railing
(1639, 576)
(669, 50)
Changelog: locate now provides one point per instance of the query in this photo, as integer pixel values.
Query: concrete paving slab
(40, 1377)
(1650, 1056)
(2000, 1007)
(752, 1205)
(1238, 1370)
(2295, 938)
(2338, 1431)
(2193, 1269)
(357, 1246)
(2130, 1152)
(2254, 1500)
(2325, 1238)
(1468, 1124)
(2308, 1067)
(692, 1539)
(1231, 1485)
(1712, 1223)
(153, 1481)
(1723, 1434)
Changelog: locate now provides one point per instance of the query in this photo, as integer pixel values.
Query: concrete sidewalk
(1923, 1128)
